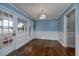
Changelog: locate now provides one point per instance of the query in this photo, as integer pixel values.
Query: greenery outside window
(20, 24)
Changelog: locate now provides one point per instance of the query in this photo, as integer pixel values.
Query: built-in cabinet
(21, 33)
(6, 28)
(15, 30)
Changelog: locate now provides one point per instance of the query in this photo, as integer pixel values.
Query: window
(10, 23)
(20, 24)
(5, 23)
(5, 30)
(10, 30)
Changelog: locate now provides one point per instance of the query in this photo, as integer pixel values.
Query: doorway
(71, 29)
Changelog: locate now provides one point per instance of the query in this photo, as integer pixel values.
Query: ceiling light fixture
(42, 15)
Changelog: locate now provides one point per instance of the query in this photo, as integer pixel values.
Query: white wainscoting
(51, 35)
(77, 45)
(9, 48)
(61, 38)
(18, 41)
(21, 39)
(71, 39)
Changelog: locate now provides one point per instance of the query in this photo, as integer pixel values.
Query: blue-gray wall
(52, 24)
(46, 25)
(61, 24)
(61, 18)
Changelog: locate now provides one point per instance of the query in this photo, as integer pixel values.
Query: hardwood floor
(38, 47)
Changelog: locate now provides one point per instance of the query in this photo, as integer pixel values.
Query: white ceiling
(33, 10)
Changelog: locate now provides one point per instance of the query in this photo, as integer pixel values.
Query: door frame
(65, 26)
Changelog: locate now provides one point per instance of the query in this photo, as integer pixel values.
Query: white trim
(77, 36)
(5, 8)
(70, 45)
(61, 38)
(19, 10)
(61, 43)
(12, 12)
(65, 26)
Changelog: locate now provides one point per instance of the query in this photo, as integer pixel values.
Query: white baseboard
(61, 43)
(71, 45)
(61, 38)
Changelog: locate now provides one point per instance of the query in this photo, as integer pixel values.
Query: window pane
(10, 23)
(20, 24)
(5, 30)
(5, 15)
(10, 30)
(5, 23)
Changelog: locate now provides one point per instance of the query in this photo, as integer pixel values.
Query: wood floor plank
(39, 47)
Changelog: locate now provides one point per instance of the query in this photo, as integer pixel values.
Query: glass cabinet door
(10, 28)
(7, 29)
(7, 43)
